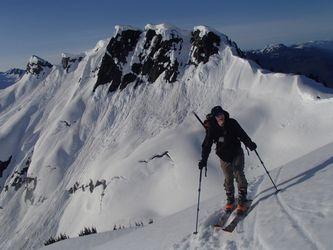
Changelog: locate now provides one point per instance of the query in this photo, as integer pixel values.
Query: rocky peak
(204, 44)
(37, 65)
(135, 56)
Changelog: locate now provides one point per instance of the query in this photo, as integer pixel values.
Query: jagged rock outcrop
(135, 56)
(90, 186)
(203, 46)
(156, 56)
(70, 61)
(117, 50)
(19, 177)
(37, 65)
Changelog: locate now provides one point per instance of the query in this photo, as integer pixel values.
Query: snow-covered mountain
(108, 138)
(10, 77)
(312, 59)
(323, 44)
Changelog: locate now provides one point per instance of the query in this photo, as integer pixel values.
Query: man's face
(220, 119)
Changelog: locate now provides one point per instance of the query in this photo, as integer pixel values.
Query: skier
(227, 134)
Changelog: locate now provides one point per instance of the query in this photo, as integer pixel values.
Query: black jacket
(227, 138)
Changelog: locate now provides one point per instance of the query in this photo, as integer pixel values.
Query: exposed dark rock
(143, 161)
(66, 123)
(30, 184)
(101, 182)
(68, 60)
(166, 153)
(136, 68)
(203, 47)
(158, 60)
(116, 52)
(91, 186)
(4, 165)
(128, 78)
(109, 73)
(17, 183)
(36, 65)
(156, 55)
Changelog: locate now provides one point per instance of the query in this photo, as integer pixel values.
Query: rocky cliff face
(135, 56)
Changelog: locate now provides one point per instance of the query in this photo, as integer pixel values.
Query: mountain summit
(135, 56)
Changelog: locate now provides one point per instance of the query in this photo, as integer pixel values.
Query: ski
(239, 217)
(223, 219)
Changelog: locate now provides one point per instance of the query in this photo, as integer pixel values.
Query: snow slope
(298, 217)
(82, 157)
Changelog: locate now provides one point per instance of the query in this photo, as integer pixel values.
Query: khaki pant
(235, 169)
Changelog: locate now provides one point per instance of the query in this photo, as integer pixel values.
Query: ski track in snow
(293, 219)
(296, 223)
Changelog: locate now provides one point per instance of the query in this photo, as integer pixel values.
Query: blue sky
(47, 28)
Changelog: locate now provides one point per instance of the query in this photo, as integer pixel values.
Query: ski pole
(205, 128)
(199, 119)
(199, 190)
(277, 190)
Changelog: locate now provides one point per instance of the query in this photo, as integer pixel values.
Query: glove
(202, 164)
(252, 146)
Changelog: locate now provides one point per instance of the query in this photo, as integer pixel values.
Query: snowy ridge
(66, 134)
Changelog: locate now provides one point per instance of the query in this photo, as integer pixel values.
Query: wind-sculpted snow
(75, 135)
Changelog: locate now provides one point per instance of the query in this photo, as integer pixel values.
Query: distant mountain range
(312, 59)
(10, 77)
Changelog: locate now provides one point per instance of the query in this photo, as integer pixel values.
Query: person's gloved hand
(202, 164)
(252, 146)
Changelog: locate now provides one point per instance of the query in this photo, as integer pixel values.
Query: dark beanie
(216, 110)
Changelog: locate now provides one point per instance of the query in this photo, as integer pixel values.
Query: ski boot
(242, 205)
(229, 207)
